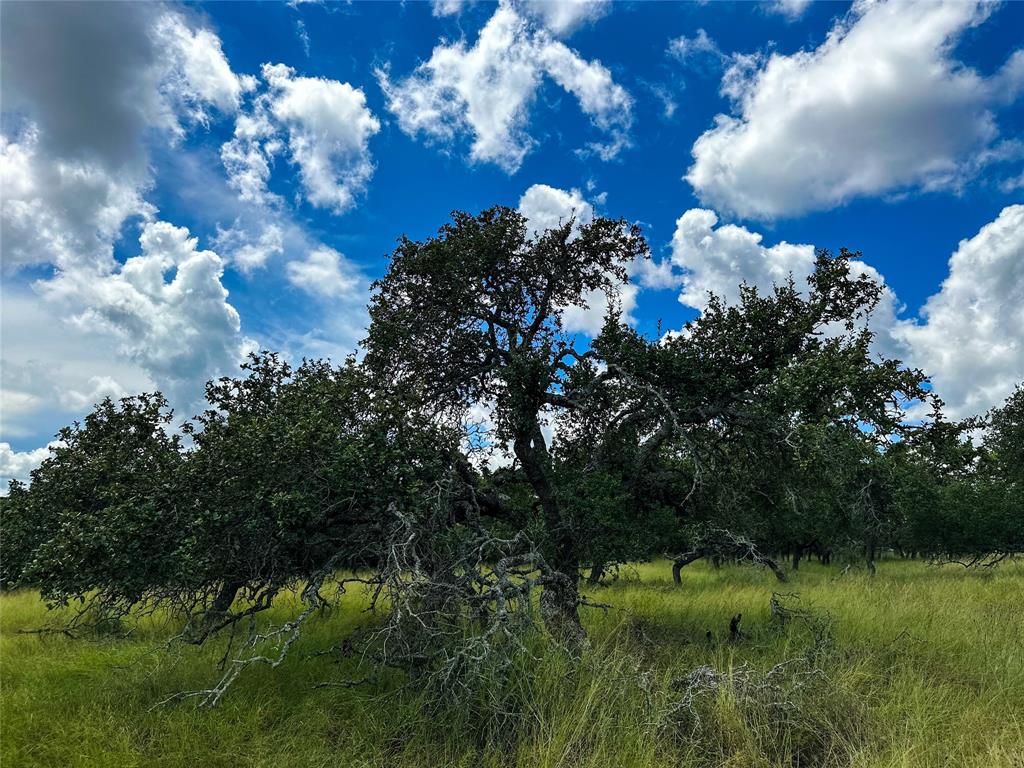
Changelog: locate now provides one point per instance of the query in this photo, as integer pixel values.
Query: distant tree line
(766, 431)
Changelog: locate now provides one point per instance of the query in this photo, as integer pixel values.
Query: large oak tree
(476, 315)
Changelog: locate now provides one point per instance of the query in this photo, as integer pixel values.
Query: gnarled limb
(682, 561)
(719, 543)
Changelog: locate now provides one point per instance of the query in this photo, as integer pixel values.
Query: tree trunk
(225, 598)
(682, 562)
(796, 560)
(596, 572)
(774, 567)
(216, 616)
(734, 628)
(560, 599)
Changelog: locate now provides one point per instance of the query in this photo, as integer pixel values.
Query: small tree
(291, 474)
(1004, 443)
(746, 389)
(960, 501)
(295, 473)
(102, 510)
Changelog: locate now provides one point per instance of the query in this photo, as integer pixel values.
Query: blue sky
(295, 143)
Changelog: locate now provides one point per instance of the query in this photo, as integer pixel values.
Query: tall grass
(926, 668)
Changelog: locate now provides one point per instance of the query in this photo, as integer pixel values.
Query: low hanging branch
(720, 543)
(269, 647)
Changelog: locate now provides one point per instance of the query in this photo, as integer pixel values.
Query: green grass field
(926, 669)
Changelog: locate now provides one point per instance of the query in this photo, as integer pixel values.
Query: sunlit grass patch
(926, 668)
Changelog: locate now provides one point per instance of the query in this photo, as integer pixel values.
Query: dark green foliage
(959, 500)
(775, 408)
(1003, 473)
(1004, 444)
(102, 510)
(290, 472)
(475, 315)
(22, 530)
(293, 469)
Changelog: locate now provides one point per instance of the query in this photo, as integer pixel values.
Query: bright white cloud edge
(879, 108)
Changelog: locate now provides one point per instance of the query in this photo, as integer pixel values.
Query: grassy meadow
(925, 668)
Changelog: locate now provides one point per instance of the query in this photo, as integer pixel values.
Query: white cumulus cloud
(546, 207)
(487, 91)
(791, 9)
(717, 259)
(326, 273)
(16, 465)
(99, 387)
(166, 310)
(248, 250)
(53, 370)
(563, 17)
(325, 126)
(881, 106)
(446, 7)
(560, 17)
(970, 339)
(65, 212)
(699, 46)
(74, 157)
(197, 73)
